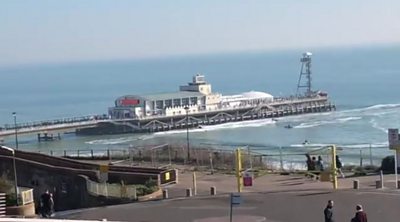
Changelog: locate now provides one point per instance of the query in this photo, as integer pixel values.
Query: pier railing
(52, 122)
(277, 102)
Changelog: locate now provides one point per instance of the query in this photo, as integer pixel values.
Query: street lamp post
(15, 173)
(187, 132)
(16, 131)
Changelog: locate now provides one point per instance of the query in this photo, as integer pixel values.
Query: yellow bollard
(194, 184)
(239, 170)
(333, 168)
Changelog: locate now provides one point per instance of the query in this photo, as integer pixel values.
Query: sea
(363, 83)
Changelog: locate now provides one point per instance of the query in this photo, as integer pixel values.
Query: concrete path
(273, 198)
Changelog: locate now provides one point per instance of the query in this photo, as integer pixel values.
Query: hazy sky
(39, 31)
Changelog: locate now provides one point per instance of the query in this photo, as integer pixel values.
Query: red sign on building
(129, 102)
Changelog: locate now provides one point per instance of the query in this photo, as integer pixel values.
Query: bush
(149, 187)
(371, 168)
(10, 200)
(7, 187)
(387, 165)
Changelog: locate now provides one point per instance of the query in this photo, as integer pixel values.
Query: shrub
(148, 187)
(7, 186)
(387, 165)
(371, 168)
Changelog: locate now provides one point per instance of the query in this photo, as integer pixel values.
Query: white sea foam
(310, 145)
(233, 125)
(326, 122)
(373, 108)
(112, 141)
(342, 146)
(375, 124)
(364, 145)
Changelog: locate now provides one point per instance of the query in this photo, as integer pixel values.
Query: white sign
(394, 140)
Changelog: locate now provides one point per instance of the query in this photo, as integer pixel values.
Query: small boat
(288, 126)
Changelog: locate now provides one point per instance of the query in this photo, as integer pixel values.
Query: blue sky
(39, 31)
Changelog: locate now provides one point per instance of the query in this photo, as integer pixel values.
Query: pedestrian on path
(339, 166)
(361, 216)
(328, 212)
(320, 164)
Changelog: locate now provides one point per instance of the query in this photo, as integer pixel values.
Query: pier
(51, 129)
(282, 107)
(101, 124)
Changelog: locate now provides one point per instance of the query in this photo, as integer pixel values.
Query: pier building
(197, 96)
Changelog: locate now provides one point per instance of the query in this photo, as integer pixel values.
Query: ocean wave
(375, 125)
(234, 125)
(342, 146)
(112, 141)
(364, 145)
(326, 122)
(311, 145)
(371, 108)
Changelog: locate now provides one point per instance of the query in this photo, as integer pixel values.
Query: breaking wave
(234, 125)
(375, 125)
(326, 122)
(120, 140)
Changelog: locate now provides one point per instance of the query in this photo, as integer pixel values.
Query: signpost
(394, 144)
(236, 200)
(239, 175)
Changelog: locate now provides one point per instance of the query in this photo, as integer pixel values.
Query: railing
(278, 102)
(2, 204)
(54, 122)
(111, 190)
(27, 196)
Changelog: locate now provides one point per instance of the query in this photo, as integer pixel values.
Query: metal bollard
(378, 184)
(189, 192)
(356, 184)
(213, 191)
(398, 184)
(165, 194)
(381, 179)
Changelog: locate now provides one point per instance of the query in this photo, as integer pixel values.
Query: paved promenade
(273, 198)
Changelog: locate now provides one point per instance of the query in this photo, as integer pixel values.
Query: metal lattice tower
(305, 75)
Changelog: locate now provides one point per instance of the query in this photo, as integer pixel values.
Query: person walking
(360, 216)
(328, 212)
(320, 164)
(45, 204)
(51, 205)
(339, 166)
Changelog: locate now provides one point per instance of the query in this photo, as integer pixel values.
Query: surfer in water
(305, 142)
